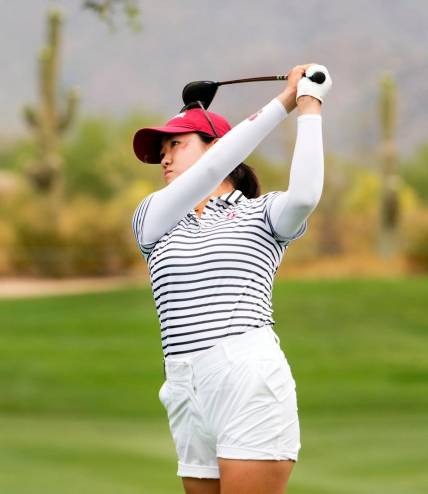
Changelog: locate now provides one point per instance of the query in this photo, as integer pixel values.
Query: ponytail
(243, 177)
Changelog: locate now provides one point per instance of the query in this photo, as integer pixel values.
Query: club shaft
(255, 79)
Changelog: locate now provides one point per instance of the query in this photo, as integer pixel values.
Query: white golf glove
(307, 87)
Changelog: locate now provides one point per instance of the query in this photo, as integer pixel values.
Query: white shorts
(235, 400)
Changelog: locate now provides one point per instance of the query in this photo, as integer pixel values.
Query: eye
(172, 142)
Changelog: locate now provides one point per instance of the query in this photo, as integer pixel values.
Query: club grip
(318, 77)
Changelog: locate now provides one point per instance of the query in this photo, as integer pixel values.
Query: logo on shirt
(231, 215)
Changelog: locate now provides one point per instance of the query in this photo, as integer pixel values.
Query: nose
(166, 160)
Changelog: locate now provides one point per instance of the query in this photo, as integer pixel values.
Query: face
(179, 152)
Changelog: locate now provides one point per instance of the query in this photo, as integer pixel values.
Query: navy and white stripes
(212, 276)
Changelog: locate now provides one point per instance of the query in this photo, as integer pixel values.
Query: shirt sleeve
(137, 227)
(281, 239)
(288, 211)
(171, 203)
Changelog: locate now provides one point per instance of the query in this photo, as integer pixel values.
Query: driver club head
(203, 91)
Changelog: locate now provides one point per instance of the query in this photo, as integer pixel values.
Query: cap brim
(147, 142)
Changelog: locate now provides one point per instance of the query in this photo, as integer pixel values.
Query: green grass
(79, 381)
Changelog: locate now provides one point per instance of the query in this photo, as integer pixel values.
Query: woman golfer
(213, 245)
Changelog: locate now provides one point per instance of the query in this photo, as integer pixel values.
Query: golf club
(204, 91)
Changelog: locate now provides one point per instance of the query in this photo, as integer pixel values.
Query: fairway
(80, 374)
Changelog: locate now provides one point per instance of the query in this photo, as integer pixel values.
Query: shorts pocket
(276, 376)
(163, 394)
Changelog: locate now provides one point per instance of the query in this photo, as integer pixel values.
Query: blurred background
(80, 353)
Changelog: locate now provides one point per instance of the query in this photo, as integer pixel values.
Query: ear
(214, 141)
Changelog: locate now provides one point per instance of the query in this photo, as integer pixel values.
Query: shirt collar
(232, 197)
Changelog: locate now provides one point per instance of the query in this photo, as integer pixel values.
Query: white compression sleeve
(168, 205)
(289, 209)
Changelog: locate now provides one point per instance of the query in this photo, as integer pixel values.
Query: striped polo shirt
(212, 276)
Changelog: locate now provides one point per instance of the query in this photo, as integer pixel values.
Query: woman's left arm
(289, 209)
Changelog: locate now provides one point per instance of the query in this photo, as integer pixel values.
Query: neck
(220, 190)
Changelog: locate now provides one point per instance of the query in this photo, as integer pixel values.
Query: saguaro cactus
(390, 180)
(47, 121)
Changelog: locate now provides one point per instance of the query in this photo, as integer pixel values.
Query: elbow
(308, 202)
(303, 210)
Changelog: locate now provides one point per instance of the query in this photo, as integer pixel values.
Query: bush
(415, 240)
(414, 170)
(83, 237)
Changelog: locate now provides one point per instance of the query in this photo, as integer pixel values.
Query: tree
(106, 9)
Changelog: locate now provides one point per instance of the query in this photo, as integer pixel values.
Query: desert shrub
(80, 237)
(414, 171)
(414, 235)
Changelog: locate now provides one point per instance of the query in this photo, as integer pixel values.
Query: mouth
(167, 173)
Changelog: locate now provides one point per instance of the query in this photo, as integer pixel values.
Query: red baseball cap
(147, 141)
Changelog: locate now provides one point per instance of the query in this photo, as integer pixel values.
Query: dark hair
(242, 177)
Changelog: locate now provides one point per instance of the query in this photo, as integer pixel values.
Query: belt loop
(278, 341)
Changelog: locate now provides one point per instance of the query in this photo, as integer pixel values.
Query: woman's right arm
(167, 206)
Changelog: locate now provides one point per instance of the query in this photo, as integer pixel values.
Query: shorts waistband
(257, 341)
